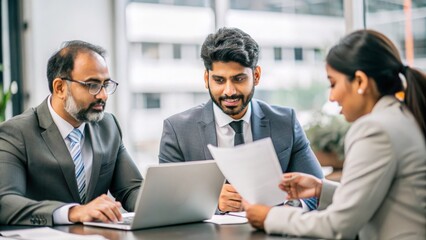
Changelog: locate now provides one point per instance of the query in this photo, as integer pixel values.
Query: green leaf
(327, 133)
(5, 96)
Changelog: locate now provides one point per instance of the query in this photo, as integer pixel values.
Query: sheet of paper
(226, 219)
(45, 233)
(238, 214)
(253, 169)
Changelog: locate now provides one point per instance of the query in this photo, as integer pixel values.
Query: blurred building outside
(166, 72)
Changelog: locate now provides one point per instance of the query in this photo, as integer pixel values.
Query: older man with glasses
(59, 160)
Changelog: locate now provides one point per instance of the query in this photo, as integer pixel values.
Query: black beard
(232, 111)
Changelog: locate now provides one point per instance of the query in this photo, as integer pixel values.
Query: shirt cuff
(304, 206)
(60, 215)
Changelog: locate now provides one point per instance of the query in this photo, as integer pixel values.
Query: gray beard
(80, 114)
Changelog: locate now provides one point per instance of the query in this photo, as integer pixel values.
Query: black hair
(374, 54)
(61, 63)
(230, 44)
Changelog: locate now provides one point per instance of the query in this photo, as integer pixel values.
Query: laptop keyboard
(126, 220)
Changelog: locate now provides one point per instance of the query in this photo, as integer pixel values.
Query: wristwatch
(294, 203)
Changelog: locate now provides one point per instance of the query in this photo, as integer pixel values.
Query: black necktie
(238, 129)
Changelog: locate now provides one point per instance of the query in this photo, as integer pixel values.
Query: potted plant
(4, 98)
(327, 134)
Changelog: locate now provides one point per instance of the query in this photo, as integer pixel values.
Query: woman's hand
(300, 185)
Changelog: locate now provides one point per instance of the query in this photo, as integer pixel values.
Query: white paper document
(253, 169)
(226, 219)
(45, 233)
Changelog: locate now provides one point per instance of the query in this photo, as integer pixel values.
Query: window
(193, 3)
(319, 55)
(311, 7)
(278, 54)
(177, 51)
(152, 100)
(190, 52)
(146, 100)
(298, 54)
(167, 51)
(404, 25)
(150, 50)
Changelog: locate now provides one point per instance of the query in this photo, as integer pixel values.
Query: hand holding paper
(253, 169)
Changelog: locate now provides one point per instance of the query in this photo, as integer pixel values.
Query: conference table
(192, 231)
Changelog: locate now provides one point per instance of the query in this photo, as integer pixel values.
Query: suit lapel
(259, 122)
(207, 128)
(57, 147)
(97, 149)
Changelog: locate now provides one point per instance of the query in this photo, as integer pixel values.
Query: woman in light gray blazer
(382, 194)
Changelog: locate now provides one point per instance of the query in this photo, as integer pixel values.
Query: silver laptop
(174, 193)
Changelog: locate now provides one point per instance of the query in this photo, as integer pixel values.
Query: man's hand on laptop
(230, 199)
(103, 208)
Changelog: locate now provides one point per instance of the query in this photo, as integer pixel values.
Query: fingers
(109, 208)
(229, 193)
(293, 192)
(102, 209)
(290, 184)
(227, 204)
(111, 213)
(105, 209)
(229, 199)
(231, 206)
(300, 185)
(229, 188)
(288, 178)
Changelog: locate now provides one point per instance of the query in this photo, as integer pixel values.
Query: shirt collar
(64, 127)
(222, 119)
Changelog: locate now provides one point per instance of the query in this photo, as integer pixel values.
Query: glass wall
(154, 48)
(404, 21)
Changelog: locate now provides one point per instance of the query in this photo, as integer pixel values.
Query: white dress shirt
(225, 134)
(60, 215)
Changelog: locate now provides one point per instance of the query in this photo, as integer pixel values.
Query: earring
(360, 91)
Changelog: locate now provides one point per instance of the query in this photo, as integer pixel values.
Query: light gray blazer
(186, 136)
(382, 194)
(37, 171)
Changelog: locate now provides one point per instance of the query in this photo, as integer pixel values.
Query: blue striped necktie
(75, 137)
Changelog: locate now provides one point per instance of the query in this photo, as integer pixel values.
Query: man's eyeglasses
(94, 88)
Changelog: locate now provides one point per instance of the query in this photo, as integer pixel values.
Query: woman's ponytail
(415, 95)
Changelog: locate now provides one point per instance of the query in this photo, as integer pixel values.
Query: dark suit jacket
(37, 172)
(186, 136)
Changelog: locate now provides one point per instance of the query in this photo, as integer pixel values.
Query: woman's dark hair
(230, 44)
(374, 54)
(61, 63)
